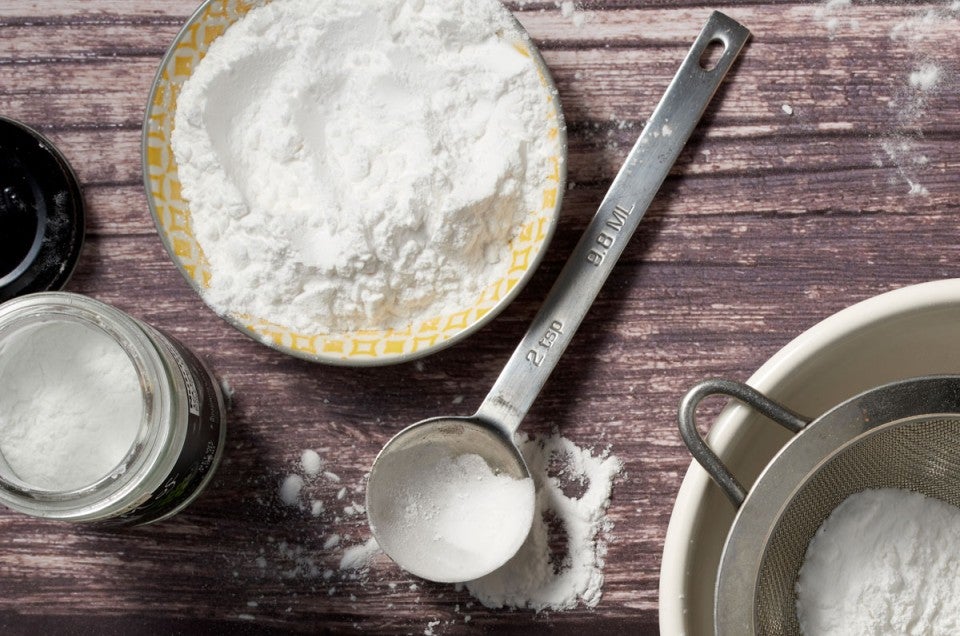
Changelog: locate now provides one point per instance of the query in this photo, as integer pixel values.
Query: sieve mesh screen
(919, 454)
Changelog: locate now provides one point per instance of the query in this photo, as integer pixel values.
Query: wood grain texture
(768, 223)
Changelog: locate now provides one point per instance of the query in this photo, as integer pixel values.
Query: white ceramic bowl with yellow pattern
(171, 213)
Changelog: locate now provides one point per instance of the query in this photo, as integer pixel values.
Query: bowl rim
(549, 230)
(676, 565)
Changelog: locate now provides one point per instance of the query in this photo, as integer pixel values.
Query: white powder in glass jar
(70, 405)
(361, 163)
(886, 561)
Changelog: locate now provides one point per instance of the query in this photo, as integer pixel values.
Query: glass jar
(181, 433)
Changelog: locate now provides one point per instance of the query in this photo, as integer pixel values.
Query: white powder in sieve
(886, 561)
(449, 518)
(70, 405)
(361, 163)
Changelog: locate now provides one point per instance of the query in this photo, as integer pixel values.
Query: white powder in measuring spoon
(70, 405)
(885, 561)
(449, 516)
(361, 163)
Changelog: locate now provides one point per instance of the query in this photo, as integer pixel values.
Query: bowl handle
(698, 446)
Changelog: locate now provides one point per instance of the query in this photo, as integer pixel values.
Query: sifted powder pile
(885, 561)
(361, 163)
(450, 518)
(70, 405)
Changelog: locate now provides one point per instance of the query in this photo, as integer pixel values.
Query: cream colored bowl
(358, 348)
(909, 332)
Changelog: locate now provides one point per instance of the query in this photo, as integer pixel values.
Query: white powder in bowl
(70, 405)
(886, 561)
(449, 518)
(361, 163)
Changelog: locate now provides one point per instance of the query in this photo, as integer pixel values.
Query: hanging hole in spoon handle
(697, 445)
(711, 54)
(620, 212)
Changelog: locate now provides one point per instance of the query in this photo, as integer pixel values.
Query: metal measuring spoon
(489, 432)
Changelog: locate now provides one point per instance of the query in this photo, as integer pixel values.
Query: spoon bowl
(408, 528)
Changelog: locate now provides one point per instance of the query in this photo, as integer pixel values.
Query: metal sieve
(900, 435)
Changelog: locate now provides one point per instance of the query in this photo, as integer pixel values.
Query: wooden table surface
(769, 223)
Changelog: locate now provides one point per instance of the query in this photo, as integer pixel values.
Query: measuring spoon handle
(598, 250)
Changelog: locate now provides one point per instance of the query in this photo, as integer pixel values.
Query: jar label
(202, 443)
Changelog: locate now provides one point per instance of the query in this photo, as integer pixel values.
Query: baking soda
(361, 163)
(886, 561)
(311, 463)
(290, 490)
(70, 405)
(573, 486)
(449, 517)
(358, 556)
(334, 556)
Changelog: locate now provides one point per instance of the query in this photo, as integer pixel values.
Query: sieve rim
(881, 408)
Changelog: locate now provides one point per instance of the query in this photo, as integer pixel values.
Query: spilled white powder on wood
(917, 33)
(228, 392)
(358, 556)
(833, 12)
(448, 517)
(908, 161)
(70, 405)
(310, 463)
(573, 488)
(925, 77)
(290, 490)
(569, 9)
(886, 561)
(537, 577)
(533, 578)
(361, 163)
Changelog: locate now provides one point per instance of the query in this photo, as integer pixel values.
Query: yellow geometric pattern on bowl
(172, 213)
